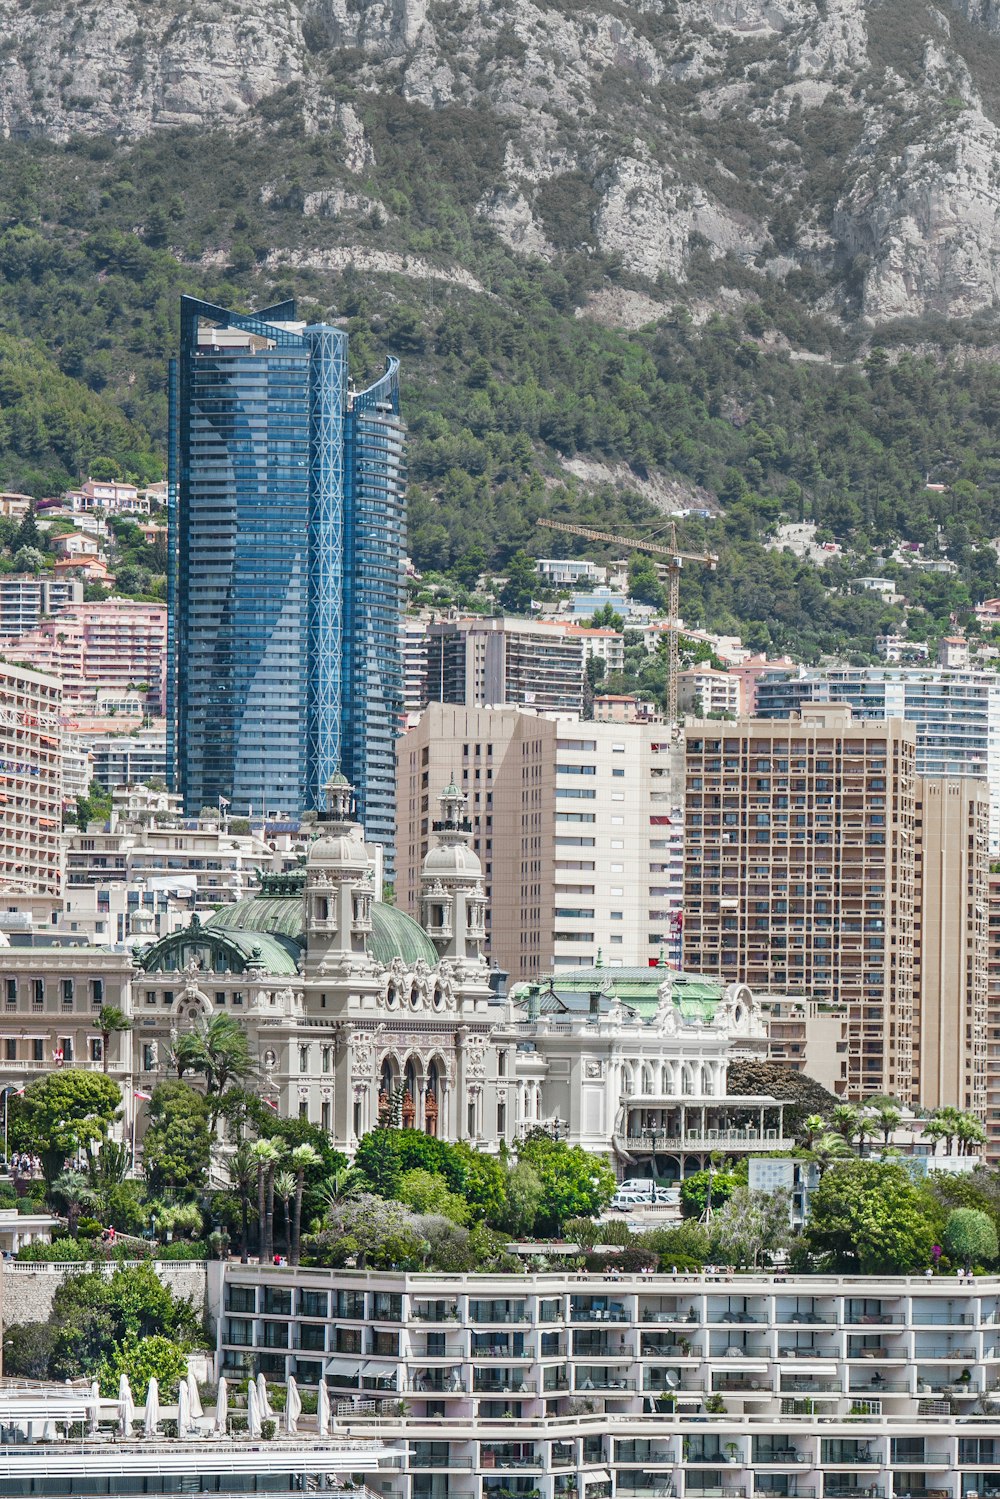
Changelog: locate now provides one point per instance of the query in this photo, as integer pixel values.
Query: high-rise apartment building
(799, 873)
(993, 1020)
(950, 1048)
(25, 599)
(956, 713)
(578, 825)
(485, 663)
(822, 870)
(287, 518)
(30, 781)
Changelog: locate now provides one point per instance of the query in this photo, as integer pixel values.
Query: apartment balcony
(502, 1384)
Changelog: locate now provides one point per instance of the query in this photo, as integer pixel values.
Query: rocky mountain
(846, 147)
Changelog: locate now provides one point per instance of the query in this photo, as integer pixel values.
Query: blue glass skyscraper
(287, 527)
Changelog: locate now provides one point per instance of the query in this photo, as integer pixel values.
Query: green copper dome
(394, 934)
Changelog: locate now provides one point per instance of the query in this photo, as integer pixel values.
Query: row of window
(36, 989)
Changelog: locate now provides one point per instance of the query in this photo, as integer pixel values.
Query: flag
(223, 803)
(271, 1103)
(138, 1093)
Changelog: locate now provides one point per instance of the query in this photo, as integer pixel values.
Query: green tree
(751, 1226)
(522, 1200)
(284, 1190)
(62, 1113)
(177, 1145)
(377, 1158)
(970, 1236)
(695, 1190)
(374, 1232)
(485, 1182)
(72, 1190)
(522, 584)
(304, 1158)
(143, 1359)
(266, 1154)
(426, 1192)
(111, 1020)
(644, 581)
(224, 1057)
(606, 618)
(867, 1218)
(574, 1183)
(243, 1175)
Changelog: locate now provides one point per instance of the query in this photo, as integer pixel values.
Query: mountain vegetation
(584, 366)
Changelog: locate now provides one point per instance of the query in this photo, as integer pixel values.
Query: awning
(601, 1476)
(337, 1371)
(374, 1369)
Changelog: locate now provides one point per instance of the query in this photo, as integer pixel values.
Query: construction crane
(675, 561)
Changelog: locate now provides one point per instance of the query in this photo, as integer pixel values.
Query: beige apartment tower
(799, 875)
(819, 867)
(950, 1050)
(578, 826)
(30, 781)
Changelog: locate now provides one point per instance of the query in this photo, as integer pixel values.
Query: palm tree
(225, 1053)
(867, 1129)
(284, 1187)
(110, 1019)
(888, 1118)
(827, 1150)
(73, 1190)
(971, 1132)
(185, 1054)
(243, 1175)
(845, 1121)
(813, 1126)
(303, 1157)
(947, 1122)
(266, 1155)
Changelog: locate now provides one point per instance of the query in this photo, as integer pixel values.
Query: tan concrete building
(850, 893)
(30, 781)
(799, 874)
(950, 948)
(488, 662)
(993, 1018)
(578, 824)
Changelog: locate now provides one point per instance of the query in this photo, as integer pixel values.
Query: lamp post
(653, 1133)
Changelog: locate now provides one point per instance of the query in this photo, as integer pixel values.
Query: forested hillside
(554, 373)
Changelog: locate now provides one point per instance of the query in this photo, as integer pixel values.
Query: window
(220, 996)
(303, 1059)
(38, 1050)
(96, 993)
(11, 992)
(325, 1058)
(96, 1049)
(241, 1299)
(10, 1049)
(37, 993)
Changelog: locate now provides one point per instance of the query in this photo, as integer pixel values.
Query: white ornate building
(351, 1005)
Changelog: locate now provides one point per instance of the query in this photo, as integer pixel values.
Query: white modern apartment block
(570, 572)
(25, 598)
(956, 713)
(708, 693)
(579, 826)
(517, 1386)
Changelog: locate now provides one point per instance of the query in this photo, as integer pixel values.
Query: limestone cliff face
(855, 139)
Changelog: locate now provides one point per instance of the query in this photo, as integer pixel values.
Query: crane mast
(675, 561)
